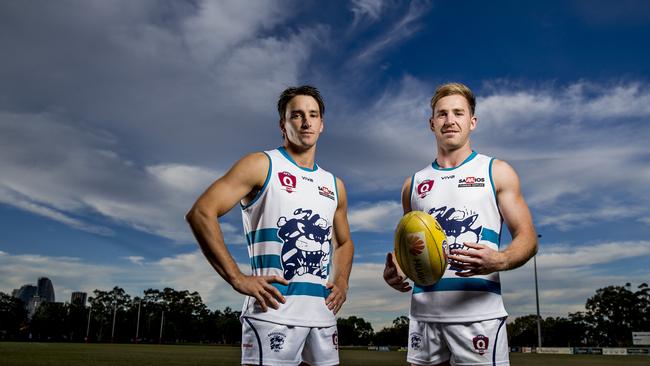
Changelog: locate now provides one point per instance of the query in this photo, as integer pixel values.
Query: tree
(612, 313)
(48, 323)
(397, 335)
(354, 331)
(13, 316)
(522, 332)
(106, 305)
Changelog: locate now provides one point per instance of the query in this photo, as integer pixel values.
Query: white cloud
(568, 276)
(60, 171)
(568, 220)
(375, 217)
(401, 30)
(569, 257)
(366, 9)
(189, 271)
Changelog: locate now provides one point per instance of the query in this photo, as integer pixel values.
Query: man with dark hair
(460, 319)
(291, 210)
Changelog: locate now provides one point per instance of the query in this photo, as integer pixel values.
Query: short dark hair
(293, 91)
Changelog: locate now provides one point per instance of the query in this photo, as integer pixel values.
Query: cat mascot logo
(458, 228)
(307, 242)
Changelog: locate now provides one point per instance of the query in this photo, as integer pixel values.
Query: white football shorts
(266, 343)
(478, 343)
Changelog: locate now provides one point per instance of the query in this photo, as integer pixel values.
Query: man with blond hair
(460, 319)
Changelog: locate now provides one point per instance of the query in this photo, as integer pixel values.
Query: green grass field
(70, 354)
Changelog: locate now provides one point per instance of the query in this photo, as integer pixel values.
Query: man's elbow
(535, 245)
(195, 214)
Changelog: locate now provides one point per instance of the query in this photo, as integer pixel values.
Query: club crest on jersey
(307, 241)
(326, 192)
(288, 181)
(458, 228)
(481, 344)
(471, 182)
(424, 188)
(276, 341)
(415, 341)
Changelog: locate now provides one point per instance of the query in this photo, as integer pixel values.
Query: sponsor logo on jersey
(335, 340)
(247, 345)
(481, 344)
(307, 179)
(326, 192)
(471, 182)
(424, 188)
(288, 181)
(448, 177)
(415, 341)
(276, 341)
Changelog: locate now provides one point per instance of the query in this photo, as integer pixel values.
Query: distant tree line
(166, 316)
(609, 319)
(171, 316)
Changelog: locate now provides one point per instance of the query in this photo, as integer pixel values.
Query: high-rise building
(78, 298)
(45, 289)
(25, 293)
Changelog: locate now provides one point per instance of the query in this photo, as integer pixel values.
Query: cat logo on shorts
(276, 341)
(416, 341)
(481, 343)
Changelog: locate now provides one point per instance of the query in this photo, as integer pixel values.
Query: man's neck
(304, 158)
(453, 158)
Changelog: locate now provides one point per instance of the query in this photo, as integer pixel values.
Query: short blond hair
(448, 89)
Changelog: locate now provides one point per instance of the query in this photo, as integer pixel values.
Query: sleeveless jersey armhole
(496, 202)
(411, 191)
(261, 191)
(336, 190)
(494, 191)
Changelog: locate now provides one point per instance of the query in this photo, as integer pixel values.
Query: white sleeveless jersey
(463, 200)
(288, 227)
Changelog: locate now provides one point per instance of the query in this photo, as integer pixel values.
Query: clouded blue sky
(114, 116)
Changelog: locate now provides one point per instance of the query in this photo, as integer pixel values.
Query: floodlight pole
(90, 310)
(137, 324)
(539, 324)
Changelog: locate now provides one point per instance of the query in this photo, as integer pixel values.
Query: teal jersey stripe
(491, 236)
(494, 190)
(284, 152)
(263, 235)
(470, 157)
(303, 288)
(460, 284)
(266, 261)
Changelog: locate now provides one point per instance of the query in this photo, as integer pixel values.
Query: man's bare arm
(393, 275)
(480, 259)
(246, 176)
(343, 253)
(516, 215)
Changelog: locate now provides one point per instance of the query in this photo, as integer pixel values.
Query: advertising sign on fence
(555, 350)
(615, 351)
(641, 338)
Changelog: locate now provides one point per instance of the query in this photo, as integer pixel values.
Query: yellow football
(421, 248)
